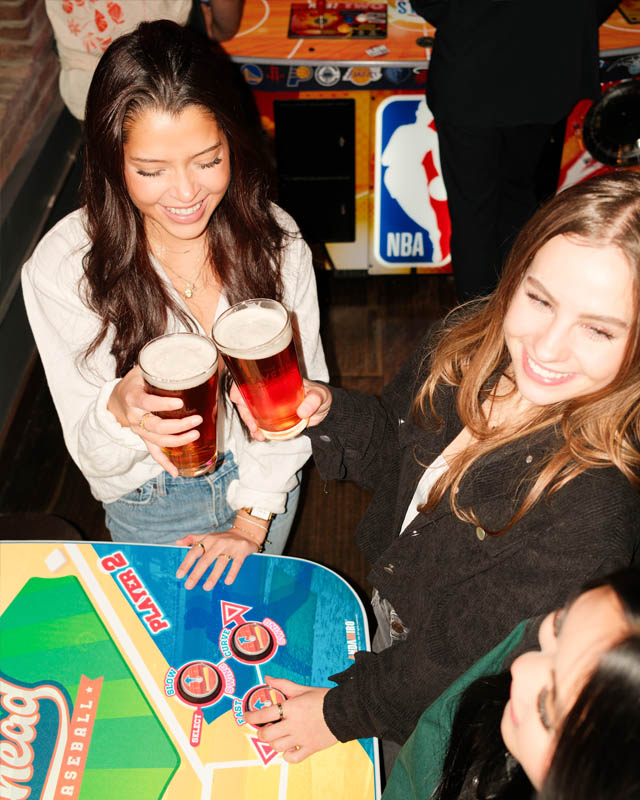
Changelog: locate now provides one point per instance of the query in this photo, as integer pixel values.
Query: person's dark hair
(162, 66)
(597, 753)
(596, 750)
(477, 764)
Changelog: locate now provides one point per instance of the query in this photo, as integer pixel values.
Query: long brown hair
(164, 67)
(599, 429)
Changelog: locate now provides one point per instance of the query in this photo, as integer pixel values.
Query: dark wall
(41, 188)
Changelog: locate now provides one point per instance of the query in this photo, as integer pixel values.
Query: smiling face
(546, 683)
(569, 321)
(177, 171)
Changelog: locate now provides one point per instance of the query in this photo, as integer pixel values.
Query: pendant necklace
(190, 286)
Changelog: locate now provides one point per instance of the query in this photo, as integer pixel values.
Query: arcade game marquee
(345, 81)
(117, 682)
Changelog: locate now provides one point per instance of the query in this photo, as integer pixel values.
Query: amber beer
(256, 343)
(185, 365)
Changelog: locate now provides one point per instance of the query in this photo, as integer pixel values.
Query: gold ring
(224, 555)
(280, 711)
(204, 549)
(141, 423)
(298, 747)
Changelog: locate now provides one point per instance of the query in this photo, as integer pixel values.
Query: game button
(263, 697)
(252, 642)
(199, 683)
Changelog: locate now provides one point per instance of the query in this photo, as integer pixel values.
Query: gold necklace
(190, 286)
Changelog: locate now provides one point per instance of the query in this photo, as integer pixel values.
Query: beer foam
(252, 332)
(178, 361)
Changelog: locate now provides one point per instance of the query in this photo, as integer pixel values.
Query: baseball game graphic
(115, 681)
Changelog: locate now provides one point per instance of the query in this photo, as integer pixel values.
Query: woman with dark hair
(176, 226)
(568, 714)
(503, 460)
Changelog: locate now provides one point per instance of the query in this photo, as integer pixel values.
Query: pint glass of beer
(185, 365)
(256, 343)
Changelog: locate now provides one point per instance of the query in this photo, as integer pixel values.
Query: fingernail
(179, 573)
(189, 585)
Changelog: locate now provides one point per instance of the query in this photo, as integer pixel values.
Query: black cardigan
(458, 594)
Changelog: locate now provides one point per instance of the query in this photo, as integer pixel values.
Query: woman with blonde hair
(503, 460)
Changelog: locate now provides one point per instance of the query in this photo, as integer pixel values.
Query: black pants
(489, 174)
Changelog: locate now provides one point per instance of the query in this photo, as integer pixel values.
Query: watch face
(611, 126)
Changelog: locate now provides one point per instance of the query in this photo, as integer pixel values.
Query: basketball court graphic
(115, 681)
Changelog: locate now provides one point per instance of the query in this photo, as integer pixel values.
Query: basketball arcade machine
(340, 87)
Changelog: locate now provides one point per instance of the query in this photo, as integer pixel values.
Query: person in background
(563, 722)
(502, 75)
(221, 17)
(503, 460)
(176, 226)
(83, 31)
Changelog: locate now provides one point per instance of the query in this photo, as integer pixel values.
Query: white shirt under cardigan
(431, 474)
(114, 459)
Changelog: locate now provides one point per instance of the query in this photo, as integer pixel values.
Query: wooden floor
(369, 324)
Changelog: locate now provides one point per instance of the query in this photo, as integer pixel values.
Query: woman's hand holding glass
(134, 408)
(314, 407)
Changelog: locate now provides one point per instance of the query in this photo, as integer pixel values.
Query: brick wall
(28, 76)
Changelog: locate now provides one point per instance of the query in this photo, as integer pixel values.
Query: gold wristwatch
(260, 513)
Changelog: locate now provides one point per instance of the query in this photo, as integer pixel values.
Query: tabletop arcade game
(357, 155)
(115, 681)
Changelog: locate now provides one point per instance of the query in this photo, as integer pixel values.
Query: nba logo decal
(411, 219)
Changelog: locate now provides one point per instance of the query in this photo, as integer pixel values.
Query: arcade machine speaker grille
(315, 154)
(611, 130)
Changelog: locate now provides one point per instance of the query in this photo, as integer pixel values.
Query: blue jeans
(165, 509)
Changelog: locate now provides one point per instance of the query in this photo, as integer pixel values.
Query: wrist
(256, 534)
(256, 516)
(114, 406)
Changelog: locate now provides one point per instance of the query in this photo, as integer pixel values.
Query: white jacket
(114, 459)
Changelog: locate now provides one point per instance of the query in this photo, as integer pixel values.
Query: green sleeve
(418, 768)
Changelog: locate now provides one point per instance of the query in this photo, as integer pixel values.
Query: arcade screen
(338, 20)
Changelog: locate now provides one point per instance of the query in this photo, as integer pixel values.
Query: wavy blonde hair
(599, 429)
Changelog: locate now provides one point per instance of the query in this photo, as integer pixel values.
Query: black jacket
(511, 62)
(458, 594)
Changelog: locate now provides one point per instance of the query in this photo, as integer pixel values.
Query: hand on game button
(214, 550)
(300, 730)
